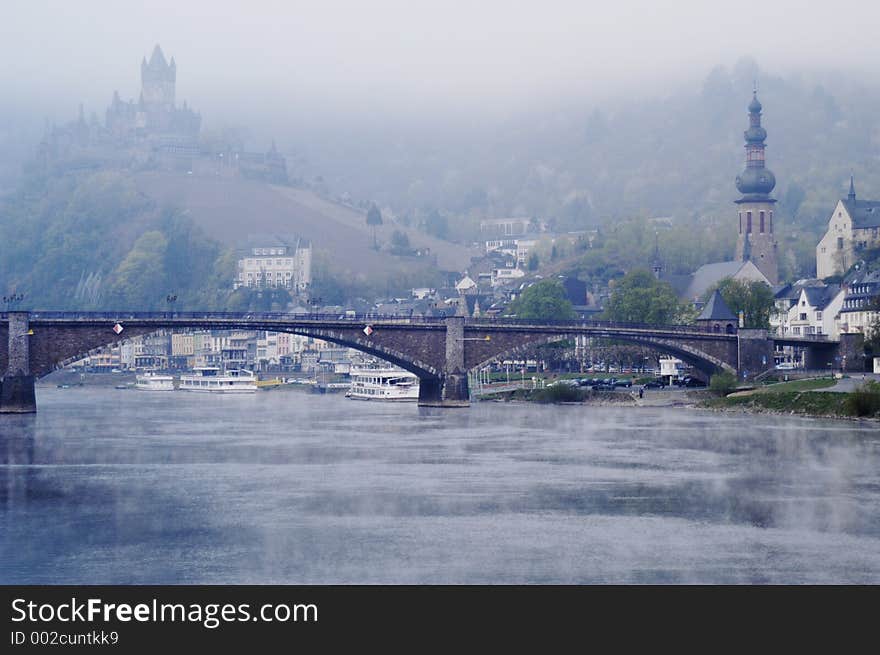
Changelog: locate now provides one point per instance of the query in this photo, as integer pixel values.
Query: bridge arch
(703, 361)
(91, 344)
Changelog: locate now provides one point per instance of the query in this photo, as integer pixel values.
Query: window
(749, 222)
(840, 243)
(804, 316)
(740, 222)
(761, 222)
(771, 223)
(818, 316)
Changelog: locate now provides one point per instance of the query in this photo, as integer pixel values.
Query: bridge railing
(232, 316)
(355, 318)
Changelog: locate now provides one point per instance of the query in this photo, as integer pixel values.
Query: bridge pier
(754, 353)
(451, 388)
(17, 395)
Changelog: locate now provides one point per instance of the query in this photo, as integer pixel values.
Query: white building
(815, 313)
(276, 267)
(854, 225)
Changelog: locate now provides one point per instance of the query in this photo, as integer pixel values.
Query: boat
(210, 379)
(153, 382)
(391, 383)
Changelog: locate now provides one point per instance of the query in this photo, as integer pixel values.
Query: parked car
(654, 384)
(603, 386)
(692, 382)
(623, 383)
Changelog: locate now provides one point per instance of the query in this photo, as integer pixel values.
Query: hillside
(230, 209)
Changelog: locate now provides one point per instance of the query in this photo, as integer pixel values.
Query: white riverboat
(154, 382)
(210, 379)
(389, 383)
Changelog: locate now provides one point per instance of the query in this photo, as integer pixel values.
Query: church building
(854, 225)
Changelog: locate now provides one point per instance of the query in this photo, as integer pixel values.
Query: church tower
(756, 241)
(158, 79)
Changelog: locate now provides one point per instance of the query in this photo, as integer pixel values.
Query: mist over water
(130, 487)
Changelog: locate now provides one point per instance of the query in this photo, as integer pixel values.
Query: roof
(864, 213)
(709, 274)
(792, 291)
(819, 297)
(716, 310)
(465, 283)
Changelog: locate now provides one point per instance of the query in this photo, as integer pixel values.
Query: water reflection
(108, 486)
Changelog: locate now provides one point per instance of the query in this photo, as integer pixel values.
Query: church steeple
(851, 197)
(756, 181)
(756, 241)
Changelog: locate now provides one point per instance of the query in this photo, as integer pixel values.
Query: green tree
(139, 281)
(754, 298)
(641, 298)
(534, 262)
(400, 243)
(722, 383)
(374, 218)
(544, 300)
(437, 225)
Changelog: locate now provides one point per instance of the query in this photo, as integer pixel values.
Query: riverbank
(810, 398)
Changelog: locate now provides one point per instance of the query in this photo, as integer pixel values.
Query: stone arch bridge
(440, 351)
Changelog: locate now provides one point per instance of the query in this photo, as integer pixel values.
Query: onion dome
(756, 181)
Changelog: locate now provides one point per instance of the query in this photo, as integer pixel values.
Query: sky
(410, 58)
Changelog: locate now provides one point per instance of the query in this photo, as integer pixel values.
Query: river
(107, 486)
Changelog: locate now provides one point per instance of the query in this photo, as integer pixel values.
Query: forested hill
(677, 155)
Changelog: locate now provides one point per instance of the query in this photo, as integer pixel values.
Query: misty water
(120, 486)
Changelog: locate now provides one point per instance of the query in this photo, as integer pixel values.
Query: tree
(437, 225)
(641, 298)
(400, 243)
(754, 298)
(545, 300)
(534, 262)
(139, 280)
(723, 383)
(374, 218)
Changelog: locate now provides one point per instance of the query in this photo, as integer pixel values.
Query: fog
(410, 60)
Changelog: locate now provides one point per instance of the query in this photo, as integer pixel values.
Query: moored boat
(153, 382)
(210, 379)
(390, 384)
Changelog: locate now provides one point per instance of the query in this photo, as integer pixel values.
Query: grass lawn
(799, 385)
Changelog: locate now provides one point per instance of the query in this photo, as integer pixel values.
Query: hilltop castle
(155, 116)
(153, 133)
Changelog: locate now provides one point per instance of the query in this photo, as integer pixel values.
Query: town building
(278, 266)
(859, 311)
(853, 227)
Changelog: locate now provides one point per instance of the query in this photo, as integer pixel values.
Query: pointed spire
(852, 189)
(657, 265)
(157, 58)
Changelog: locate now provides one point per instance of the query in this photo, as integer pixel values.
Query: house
(814, 313)
(854, 225)
(859, 307)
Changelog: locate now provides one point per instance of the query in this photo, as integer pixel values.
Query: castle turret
(756, 241)
(158, 80)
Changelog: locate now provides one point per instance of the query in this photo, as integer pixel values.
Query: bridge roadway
(440, 350)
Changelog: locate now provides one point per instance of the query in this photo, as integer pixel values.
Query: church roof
(864, 213)
(710, 274)
(716, 310)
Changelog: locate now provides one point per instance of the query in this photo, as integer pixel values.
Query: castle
(152, 133)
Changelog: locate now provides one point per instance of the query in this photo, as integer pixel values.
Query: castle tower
(158, 79)
(756, 241)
